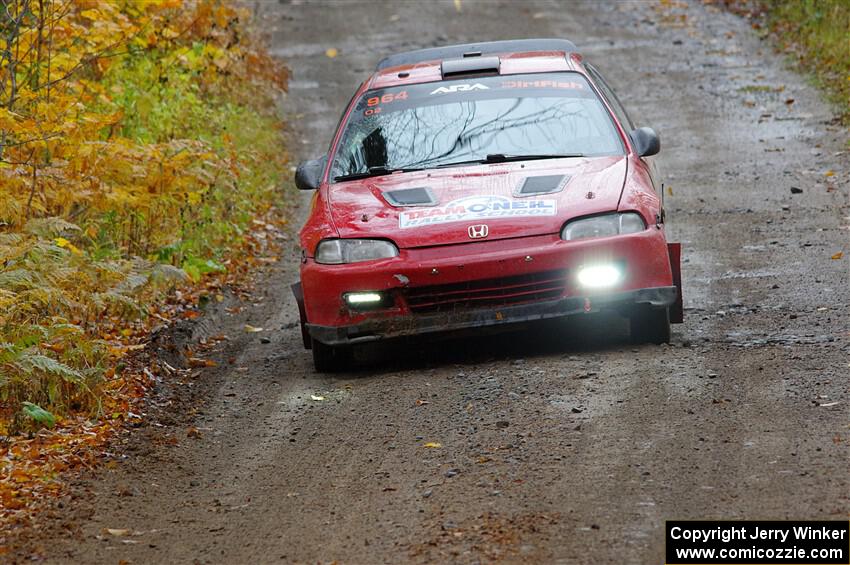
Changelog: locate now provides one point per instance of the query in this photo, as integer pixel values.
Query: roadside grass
(141, 166)
(815, 34)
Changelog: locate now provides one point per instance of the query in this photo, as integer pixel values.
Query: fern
(50, 228)
(17, 279)
(33, 362)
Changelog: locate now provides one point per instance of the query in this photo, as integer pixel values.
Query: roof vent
(544, 184)
(420, 196)
(474, 65)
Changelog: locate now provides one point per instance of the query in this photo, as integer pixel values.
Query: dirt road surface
(564, 446)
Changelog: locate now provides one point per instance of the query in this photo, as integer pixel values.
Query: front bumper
(386, 328)
(529, 262)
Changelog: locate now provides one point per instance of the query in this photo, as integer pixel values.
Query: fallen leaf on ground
(198, 362)
(117, 532)
(331, 52)
(422, 402)
(829, 174)
(252, 329)
(316, 398)
(433, 445)
(193, 432)
(838, 255)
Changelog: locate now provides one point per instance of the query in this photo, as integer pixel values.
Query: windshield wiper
(490, 158)
(375, 172)
(502, 158)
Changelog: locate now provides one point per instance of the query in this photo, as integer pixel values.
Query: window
(609, 94)
(435, 124)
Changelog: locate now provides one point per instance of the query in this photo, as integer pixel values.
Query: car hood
(437, 207)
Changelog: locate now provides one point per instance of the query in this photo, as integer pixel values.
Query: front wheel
(650, 325)
(330, 358)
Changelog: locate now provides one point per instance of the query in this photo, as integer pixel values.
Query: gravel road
(566, 446)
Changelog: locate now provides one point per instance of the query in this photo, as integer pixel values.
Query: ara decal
(459, 88)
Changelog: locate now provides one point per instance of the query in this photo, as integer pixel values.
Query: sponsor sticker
(460, 88)
(477, 208)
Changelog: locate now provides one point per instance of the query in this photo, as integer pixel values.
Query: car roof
(504, 57)
(465, 49)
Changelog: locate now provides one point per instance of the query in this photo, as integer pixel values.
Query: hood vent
(545, 184)
(421, 196)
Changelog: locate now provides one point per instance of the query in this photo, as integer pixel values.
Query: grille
(504, 291)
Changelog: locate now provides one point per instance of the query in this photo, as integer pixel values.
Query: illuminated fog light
(599, 276)
(363, 298)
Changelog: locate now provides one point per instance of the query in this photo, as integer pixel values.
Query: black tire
(329, 358)
(650, 325)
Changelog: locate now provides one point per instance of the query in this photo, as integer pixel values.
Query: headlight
(603, 226)
(338, 251)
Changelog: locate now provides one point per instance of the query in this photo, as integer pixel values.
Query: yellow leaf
(252, 329)
(316, 398)
(64, 243)
(829, 174)
(669, 191)
(331, 52)
(433, 445)
(838, 255)
(194, 197)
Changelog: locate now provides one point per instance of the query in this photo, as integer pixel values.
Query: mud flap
(302, 313)
(677, 310)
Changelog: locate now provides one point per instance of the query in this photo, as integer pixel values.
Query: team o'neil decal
(477, 208)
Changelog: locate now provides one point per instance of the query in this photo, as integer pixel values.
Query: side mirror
(308, 174)
(646, 141)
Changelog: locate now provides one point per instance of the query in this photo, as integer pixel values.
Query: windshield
(438, 124)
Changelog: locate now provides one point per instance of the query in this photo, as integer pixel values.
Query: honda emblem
(478, 231)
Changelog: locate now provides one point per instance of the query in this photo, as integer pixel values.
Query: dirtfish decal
(477, 208)
(459, 88)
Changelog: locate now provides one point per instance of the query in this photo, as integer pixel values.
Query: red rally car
(477, 185)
